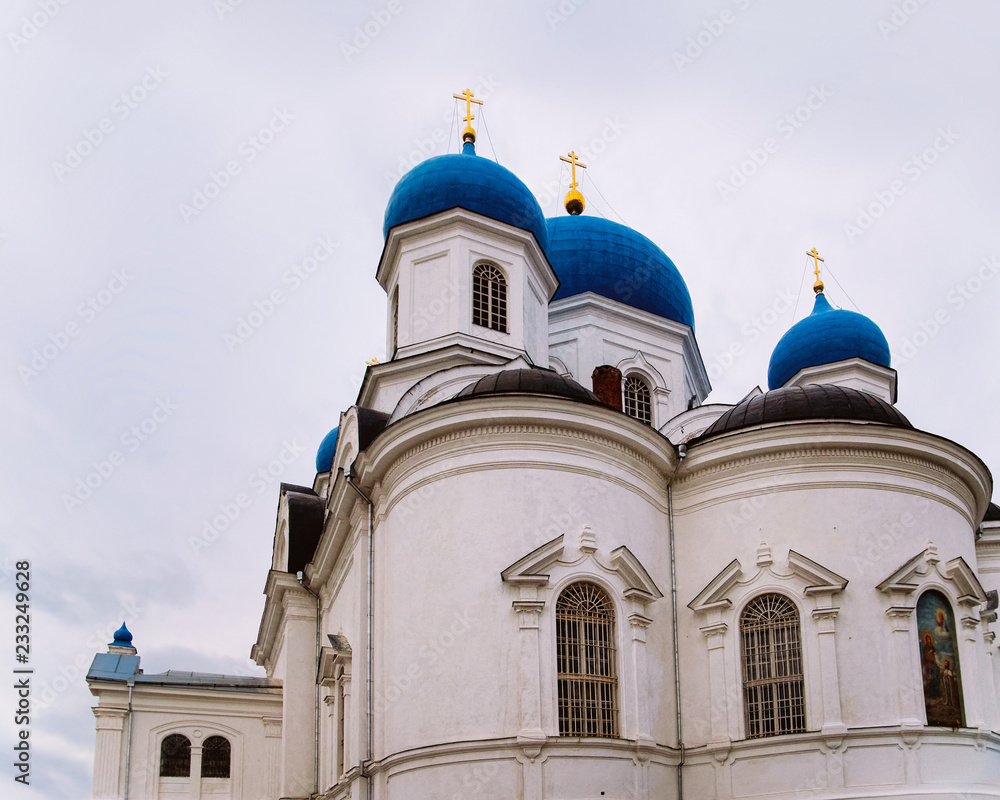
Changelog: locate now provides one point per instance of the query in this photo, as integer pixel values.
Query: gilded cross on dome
(468, 135)
(574, 199)
(814, 255)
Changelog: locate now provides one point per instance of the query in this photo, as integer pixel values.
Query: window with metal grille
(215, 757)
(636, 399)
(175, 756)
(489, 297)
(773, 684)
(585, 644)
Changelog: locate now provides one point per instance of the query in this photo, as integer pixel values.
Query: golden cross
(468, 134)
(373, 362)
(572, 161)
(815, 256)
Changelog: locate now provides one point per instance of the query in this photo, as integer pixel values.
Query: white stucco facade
(410, 629)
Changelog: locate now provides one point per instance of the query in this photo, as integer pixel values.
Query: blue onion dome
(591, 254)
(465, 181)
(324, 456)
(123, 637)
(827, 335)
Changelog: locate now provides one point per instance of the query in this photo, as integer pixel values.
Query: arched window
(939, 661)
(215, 757)
(489, 297)
(636, 399)
(773, 685)
(175, 756)
(585, 645)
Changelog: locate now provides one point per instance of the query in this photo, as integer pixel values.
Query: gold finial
(468, 135)
(814, 255)
(574, 199)
(373, 362)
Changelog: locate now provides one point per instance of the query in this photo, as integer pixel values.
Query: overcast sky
(168, 166)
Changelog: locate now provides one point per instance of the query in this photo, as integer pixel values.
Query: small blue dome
(827, 335)
(465, 181)
(123, 637)
(591, 254)
(324, 456)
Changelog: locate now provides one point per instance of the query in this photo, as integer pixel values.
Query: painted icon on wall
(939, 661)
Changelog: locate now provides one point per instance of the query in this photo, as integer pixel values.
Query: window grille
(637, 404)
(773, 684)
(215, 757)
(175, 756)
(489, 298)
(585, 644)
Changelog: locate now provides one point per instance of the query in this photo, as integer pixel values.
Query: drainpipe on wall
(681, 453)
(368, 660)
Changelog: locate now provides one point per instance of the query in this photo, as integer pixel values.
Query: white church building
(532, 563)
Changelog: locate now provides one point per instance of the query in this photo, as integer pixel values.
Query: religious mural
(939, 661)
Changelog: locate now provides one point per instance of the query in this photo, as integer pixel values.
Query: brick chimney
(608, 386)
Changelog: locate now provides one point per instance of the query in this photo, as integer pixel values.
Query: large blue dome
(591, 254)
(465, 181)
(827, 335)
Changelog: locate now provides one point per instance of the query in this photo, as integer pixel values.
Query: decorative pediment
(334, 659)
(819, 579)
(533, 568)
(532, 572)
(716, 594)
(925, 566)
(639, 584)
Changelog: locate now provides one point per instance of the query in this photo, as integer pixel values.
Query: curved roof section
(814, 401)
(465, 181)
(325, 453)
(591, 254)
(827, 335)
(528, 381)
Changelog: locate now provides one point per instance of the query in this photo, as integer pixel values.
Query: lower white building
(533, 565)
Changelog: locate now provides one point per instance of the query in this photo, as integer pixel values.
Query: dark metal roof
(992, 513)
(305, 526)
(811, 402)
(528, 381)
(370, 424)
